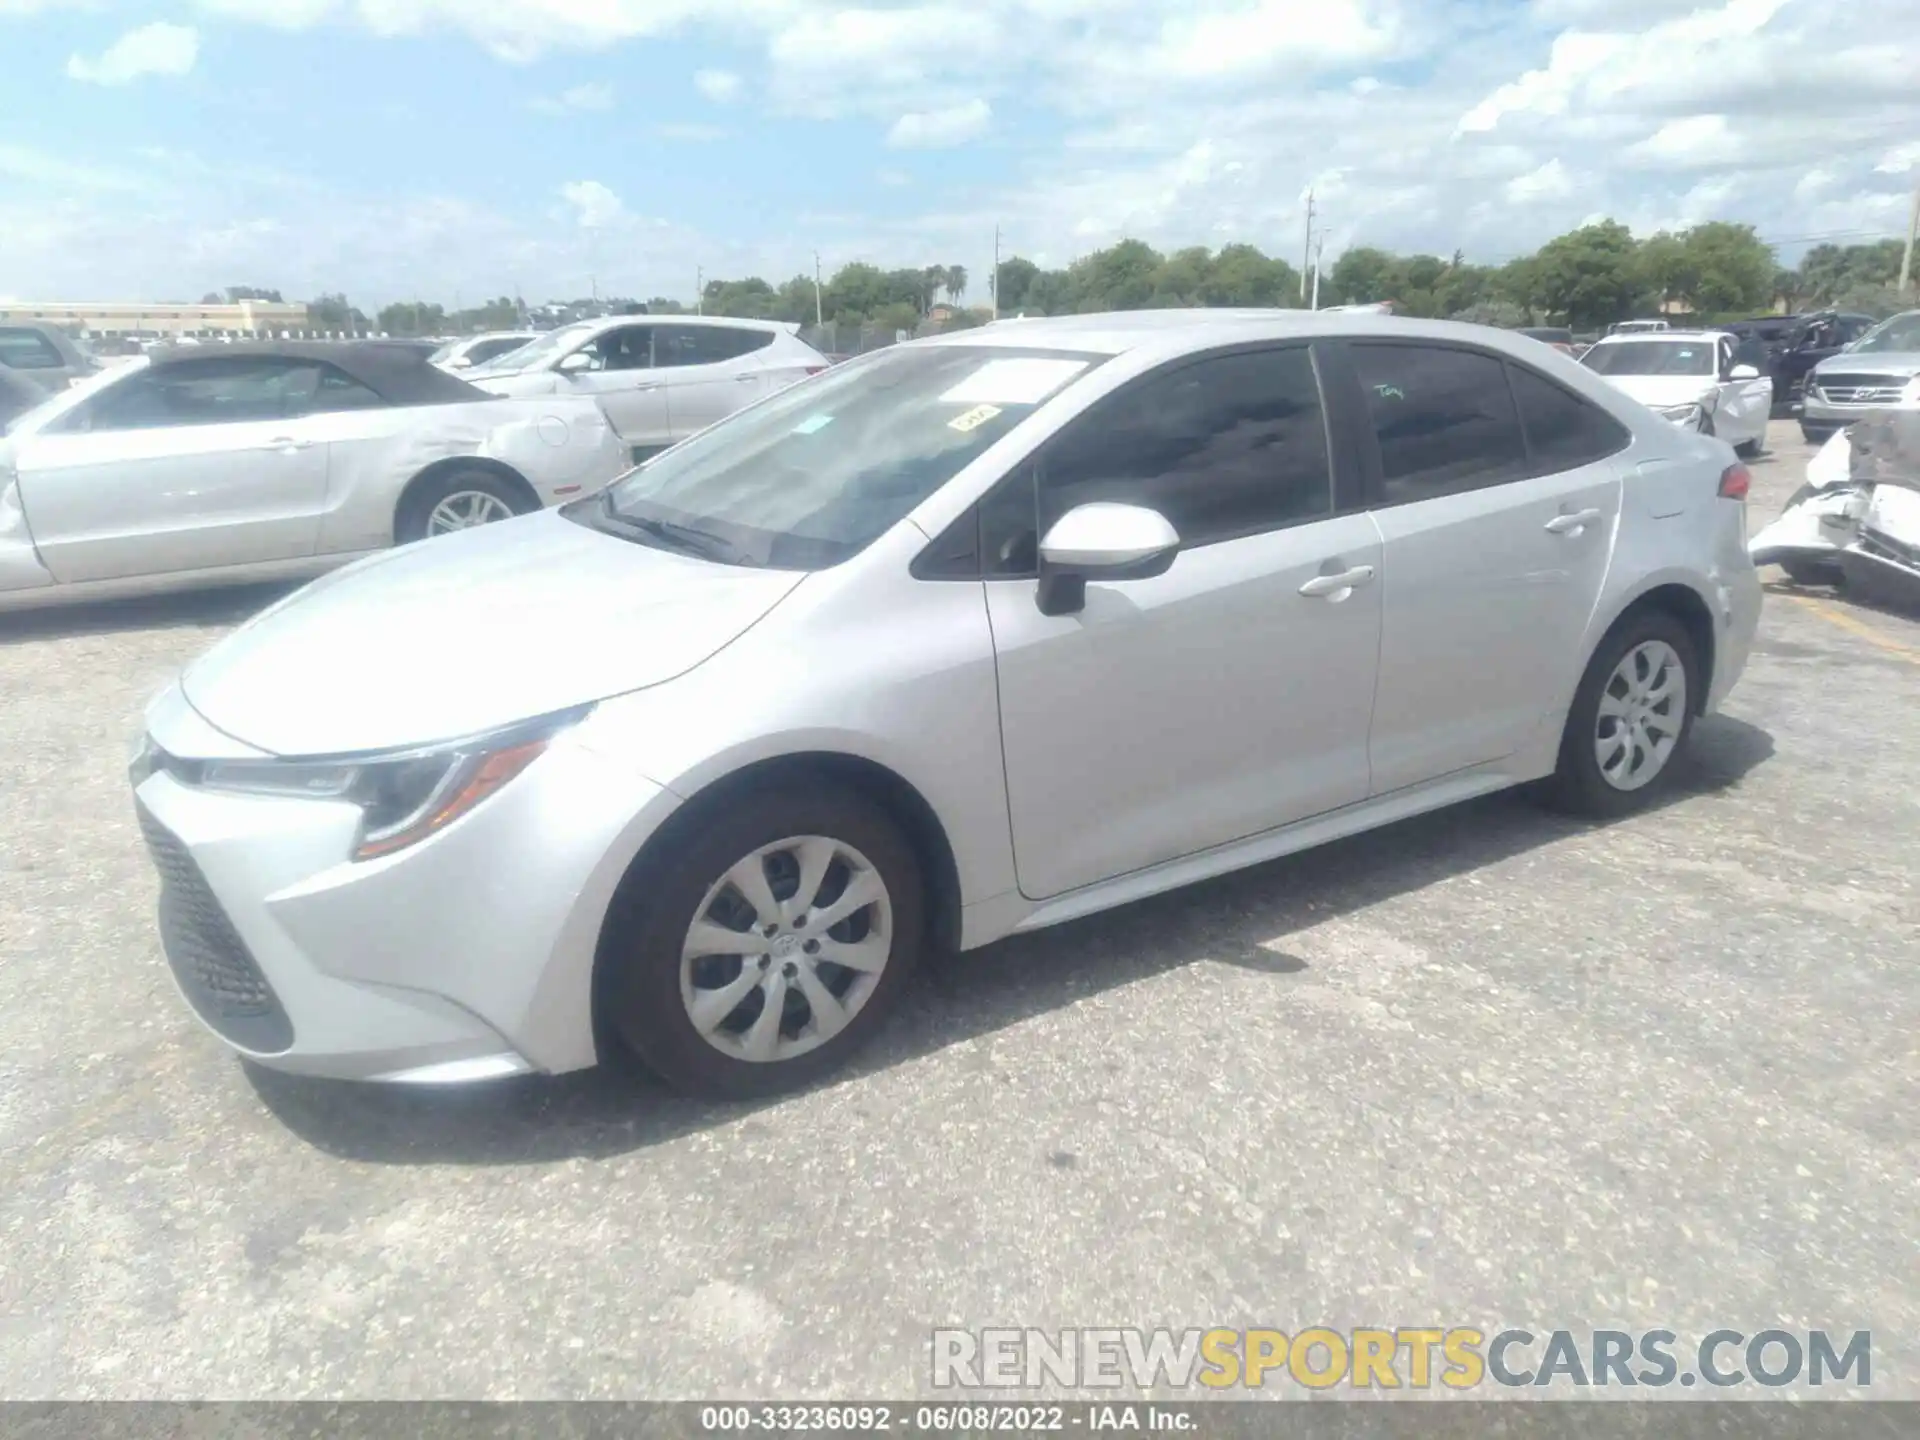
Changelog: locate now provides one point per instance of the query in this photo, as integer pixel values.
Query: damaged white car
(271, 461)
(1856, 522)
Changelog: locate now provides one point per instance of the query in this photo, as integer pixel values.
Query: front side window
(1652, 357)
(1224, 447)
(540, 353)
(201, 392)
(813, 475)
(1444, 420)
(628, 348)
(485, 350)
(28, 350)
(1563, 431)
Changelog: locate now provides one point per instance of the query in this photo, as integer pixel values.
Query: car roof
(608, 322)
(1117, 332)
(1642, 336)
(395, 370)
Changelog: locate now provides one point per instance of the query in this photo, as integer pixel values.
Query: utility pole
(1306, 251)
(699, 291)
(819, 306)
(1913, 231)
(995, 287)
(1319, 249)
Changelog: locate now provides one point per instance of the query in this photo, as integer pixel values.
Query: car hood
(1903, 363)
(515, 383)
(469, 632)
(1659, 390)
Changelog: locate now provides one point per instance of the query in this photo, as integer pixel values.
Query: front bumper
(466, 956)
(1822, 417)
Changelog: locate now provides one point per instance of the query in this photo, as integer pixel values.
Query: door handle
(1573, 523)
(288, 442)
(1337, 587)
(746, 377)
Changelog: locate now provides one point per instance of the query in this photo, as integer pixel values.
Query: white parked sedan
(966, 637)
(270, 461)
(659, 378)
(1704, 380)
(473, 350)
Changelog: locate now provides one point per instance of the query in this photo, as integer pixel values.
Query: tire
(1747, 449)
(1810, 572)
(1580, 785)
(416, 517)
(1706, 424)
(1815, 434)
(652, 974)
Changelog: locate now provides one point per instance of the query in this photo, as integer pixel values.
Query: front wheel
(768, 947)
(1630, 718)
(1747, 449)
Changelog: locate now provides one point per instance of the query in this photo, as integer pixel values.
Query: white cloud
(719, 86)
(1550, 182)
(690, 132)
(279, 14)
(893, 179)
(594, 205)
(1900, 159)
(1692, 142)
(937, 129)
(157, 49)
(594, 96)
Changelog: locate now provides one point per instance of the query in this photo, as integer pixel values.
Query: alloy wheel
(1643, 710)
(465, 509)
(786, 948)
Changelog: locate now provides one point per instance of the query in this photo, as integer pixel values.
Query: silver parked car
(660, 378)
(472, 350)
(966, 637)
(1879, 371)
(267, 461)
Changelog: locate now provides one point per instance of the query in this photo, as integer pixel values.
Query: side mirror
(1101, 541)
(459, 362)
(1743, 372)
(575, 363)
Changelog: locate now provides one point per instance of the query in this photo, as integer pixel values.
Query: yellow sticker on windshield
(974, 418)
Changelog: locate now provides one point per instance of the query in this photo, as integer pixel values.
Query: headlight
(403, 796)
(1812, 385)
(1687, 417)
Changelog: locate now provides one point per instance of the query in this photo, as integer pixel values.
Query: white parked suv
(659, 378)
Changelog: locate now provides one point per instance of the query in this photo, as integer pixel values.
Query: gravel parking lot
(1489, 1067)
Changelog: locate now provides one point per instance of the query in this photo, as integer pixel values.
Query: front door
(1748, 403)
(1230, 695)
(1497, 537)
(622, 377)
(188, 466)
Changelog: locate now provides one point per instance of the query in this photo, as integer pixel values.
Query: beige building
(248, 317)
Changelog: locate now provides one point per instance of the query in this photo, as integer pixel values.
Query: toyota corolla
(968, 637)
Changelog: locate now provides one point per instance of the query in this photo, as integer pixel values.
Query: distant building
(246, 317)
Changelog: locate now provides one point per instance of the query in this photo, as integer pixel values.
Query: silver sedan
(968, 637)
(271, 461)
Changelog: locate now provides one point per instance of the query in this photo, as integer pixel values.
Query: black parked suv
(1797, 343)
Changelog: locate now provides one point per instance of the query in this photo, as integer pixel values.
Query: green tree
(1361, 276)
(1729, 268)
(412, 318)
(1121, 277)
(1244, 275)
(954, 282)
(1590, 276)
(1829, 271)
(751, 298)
(332, 312)
(1015, 279)
(1502, 313)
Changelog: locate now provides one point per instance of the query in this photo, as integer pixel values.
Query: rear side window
(706, 344)
(336, 390)
(200, 392)
(28, 350)
(1563, 431)
(1224, 447)
(1444, 420)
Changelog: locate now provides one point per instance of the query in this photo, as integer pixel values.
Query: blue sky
(454, 148)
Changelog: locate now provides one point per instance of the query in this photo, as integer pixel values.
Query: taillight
(1734, 481)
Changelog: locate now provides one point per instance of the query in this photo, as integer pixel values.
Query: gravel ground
(1488, 1067)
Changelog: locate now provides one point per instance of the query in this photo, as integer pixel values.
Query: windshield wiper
(689, 539)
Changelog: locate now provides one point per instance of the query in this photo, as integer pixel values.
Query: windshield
(810, 477)
(1900, 334)
(536, 353)
(60, 401)
(1652, 357)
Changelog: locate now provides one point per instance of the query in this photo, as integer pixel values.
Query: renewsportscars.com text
(1411, 1357)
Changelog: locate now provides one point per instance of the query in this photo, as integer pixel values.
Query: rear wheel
(767, 948)
(1747, 449)
(1631, 717)
(456, 500)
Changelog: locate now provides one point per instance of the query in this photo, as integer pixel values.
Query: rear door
(1497, 537)
(188, 466)
(710, 371)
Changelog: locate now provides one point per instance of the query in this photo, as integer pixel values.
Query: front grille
(1861, 389)
(216, 972)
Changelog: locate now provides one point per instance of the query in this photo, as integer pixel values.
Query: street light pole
(1913, 231)
(1319, 249)
(995, 287)
(819, 306)
(1306, 250)
(699, 290)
